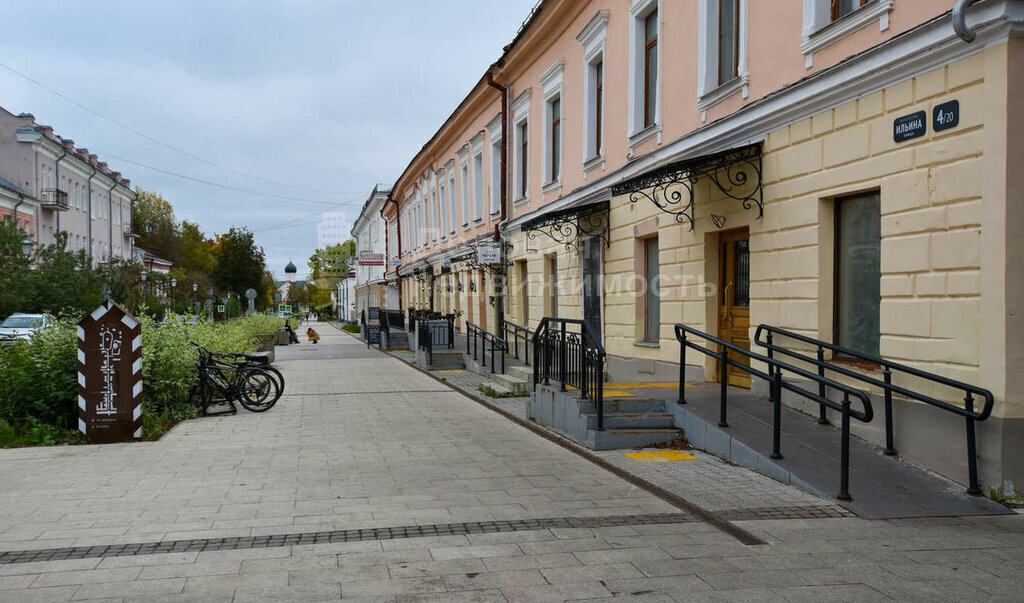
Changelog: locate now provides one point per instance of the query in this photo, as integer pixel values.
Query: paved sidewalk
(280, 506)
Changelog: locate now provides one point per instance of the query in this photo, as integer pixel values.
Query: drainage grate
(280, 540)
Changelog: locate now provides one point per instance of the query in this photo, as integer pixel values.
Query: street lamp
(174, 283)
(195, 307)
(143, 276)
(26, 246)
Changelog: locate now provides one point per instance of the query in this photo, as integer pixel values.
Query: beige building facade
(843, 172)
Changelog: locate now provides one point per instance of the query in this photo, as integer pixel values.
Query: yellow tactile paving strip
(660, 456)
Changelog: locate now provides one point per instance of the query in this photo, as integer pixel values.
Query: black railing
(766, 337)
(53, 198)
(433, 333)
(478, 340)
(572, 358)
(514, 335)
(728, 357)
(393, 318)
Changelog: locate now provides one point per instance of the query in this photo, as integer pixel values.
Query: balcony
(53, 198)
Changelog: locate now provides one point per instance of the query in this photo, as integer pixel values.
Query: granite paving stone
(363, 441)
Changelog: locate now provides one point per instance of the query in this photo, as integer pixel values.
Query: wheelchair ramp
(882, 487)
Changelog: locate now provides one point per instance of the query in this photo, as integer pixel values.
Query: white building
(77, 193)
(369, 235)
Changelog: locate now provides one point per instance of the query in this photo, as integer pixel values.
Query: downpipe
(960, 20)
(500, 283)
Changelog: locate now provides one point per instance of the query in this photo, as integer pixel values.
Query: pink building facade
(837, 168)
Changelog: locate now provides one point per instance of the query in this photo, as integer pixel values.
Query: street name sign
(488, 253)
(110, 375)
(909, 126)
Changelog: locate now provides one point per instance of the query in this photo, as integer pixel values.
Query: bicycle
(218, 382)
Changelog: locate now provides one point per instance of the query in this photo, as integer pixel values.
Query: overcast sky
(326, 96)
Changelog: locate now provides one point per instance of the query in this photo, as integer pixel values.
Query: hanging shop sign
(946, 116)
(488, 252)
(909, 126)
(368, 258)
(110, 375)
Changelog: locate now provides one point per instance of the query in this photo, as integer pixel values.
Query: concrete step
(515, 384)
(611, 439)
(624, 405)
(661, 420)
(446, 360)
(499, 389)
(524, 373)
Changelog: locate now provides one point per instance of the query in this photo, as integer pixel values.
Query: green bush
(353, 328)
(40, 384)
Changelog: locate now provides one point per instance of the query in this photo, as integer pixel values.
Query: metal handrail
(589, 364)
(776, 385)
(427, 327)
(518, 333)
(765, 337)
(473, 332)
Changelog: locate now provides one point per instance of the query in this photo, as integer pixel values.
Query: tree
(154, 222)
(329, 264)
(13, 268)
(194, 250)
(240, 262)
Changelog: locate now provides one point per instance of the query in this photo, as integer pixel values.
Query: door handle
(726, 311)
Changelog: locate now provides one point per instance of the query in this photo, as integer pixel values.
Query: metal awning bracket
(736, 173)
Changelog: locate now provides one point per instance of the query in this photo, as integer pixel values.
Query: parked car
(21, 326)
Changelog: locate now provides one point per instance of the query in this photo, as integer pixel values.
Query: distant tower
(290, 271)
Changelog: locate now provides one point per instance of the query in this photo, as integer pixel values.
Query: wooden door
(734, 298)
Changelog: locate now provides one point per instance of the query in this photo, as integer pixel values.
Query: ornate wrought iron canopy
(568, 226)
(736, 173)
(469, 260)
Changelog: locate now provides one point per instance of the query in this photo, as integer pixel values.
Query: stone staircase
(515, 381)
(446, 360)
(628, 422)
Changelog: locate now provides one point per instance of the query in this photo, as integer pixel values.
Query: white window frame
(638, 12)
(478, 177)
(464, 184)
(551, 83)
(593, 39)
(494, 134)
(709, 91)
(442, 204)
(819, 31)
(452, 215)
(520, 119)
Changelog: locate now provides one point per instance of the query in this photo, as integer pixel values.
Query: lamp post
(174, 284)
(209, 292)
(26, 247)
(195, 304)
(143, 276)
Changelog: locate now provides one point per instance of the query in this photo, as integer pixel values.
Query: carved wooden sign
(110, 375)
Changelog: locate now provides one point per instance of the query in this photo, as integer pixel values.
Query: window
(841, 8)
(555, 136)
(593, 40)
(442, 204)
(464, 176)
(652, 296)
(728, 40)
(598, 123)
(521, 146)
(495, 176)
(644, 70)
(524, 293)
(478, 185)
(522, 165)
(552, 305)
(433, 213)
(451, 198)
(650, 68)
(858, 273)
(551, 80)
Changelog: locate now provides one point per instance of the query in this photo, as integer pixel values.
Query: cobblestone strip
(796, 512)
(392, 533)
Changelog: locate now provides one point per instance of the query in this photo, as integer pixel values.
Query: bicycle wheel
(199, 395)
(258, 390)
